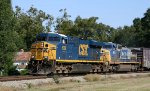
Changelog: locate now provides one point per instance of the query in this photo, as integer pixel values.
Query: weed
(148, 75)
(29, 85)
(56, 79)
(124, 77)
(74, 80)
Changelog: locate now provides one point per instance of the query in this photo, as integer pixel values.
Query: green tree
(145, 33)
(31, 23)
(85, 28)
(8, 37)
(126, 36)
(138, 32)
(63, 23)
(142, 30)
(103, 32)
(6, 15)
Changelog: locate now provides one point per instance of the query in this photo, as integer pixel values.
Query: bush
(13, 71)
(24, 72)
(92, 77)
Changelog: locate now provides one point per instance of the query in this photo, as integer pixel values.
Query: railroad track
(17, 78)
(29, 77)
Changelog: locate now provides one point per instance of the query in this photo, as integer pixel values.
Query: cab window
(53, 39)
(64, 41)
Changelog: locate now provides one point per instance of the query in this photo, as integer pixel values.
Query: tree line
(19, 28)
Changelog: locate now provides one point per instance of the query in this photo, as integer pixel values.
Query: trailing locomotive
(57, 53)
(122, 58)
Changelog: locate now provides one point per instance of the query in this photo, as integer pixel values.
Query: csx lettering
(83, 50)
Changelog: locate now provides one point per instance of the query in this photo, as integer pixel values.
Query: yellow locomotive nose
(105, 55)
(37, 51)
(43, 51)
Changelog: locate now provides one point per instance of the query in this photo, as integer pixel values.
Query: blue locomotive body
(119, 53)
(79, 50)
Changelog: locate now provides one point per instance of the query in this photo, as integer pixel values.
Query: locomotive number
(64, 48)
(83, 50)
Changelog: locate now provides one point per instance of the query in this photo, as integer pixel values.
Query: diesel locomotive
(58, 53)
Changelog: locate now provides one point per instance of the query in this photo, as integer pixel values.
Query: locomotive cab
(45, 45)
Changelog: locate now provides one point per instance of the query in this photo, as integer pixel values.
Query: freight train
(58, 53)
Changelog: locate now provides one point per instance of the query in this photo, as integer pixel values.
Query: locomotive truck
(58, 53)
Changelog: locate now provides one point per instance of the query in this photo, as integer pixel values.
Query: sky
(114, 13)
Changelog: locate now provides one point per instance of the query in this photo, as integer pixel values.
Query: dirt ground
(132, 84)
(111, 84)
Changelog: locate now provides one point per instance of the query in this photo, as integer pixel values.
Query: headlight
(32, 56)
(42, 44)
(45, 58)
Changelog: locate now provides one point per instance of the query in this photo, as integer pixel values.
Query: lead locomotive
(57, 53)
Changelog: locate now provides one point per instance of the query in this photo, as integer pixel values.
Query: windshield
(41, 38)
(108, 46)
(53, 39)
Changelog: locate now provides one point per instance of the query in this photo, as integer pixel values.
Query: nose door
(39, 54)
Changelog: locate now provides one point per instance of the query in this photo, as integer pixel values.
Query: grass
(132, 84)
(94, 82)
(140, 84)
(7, 89)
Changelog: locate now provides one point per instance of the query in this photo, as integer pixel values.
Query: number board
(64, 48)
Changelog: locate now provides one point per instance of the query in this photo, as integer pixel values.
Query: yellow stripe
(124, 62)
(129, 62)
(96, 61)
